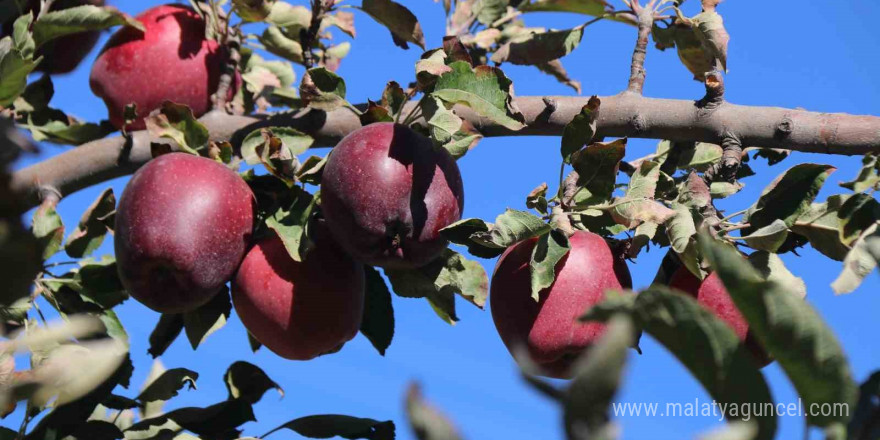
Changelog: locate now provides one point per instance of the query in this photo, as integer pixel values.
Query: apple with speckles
(183, 225)
(64, 54)
(171, 61)
(711, 294)
(386, 193)
(548, 330)
(300, 310)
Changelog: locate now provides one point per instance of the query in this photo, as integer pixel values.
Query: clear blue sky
(819, 55)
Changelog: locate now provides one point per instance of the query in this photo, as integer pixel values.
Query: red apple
(183, 225)
(63, 54)
(712, 295)
(171, 61)
(386, 194)
(300, 310)
(549, 328)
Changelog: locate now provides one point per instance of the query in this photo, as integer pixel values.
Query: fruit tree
(285, 195)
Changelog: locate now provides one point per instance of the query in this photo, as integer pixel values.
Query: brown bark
(621, 115)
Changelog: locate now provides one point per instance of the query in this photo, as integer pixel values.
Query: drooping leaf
(706, 346)
(291, 223)
(248, 382)
(98, 282)
(511, 227)
(404, 26)
(581, 129)
(168, 384)
(426, 421)
(859, 262)
(551, 247)
(597, 376)
(791, 330)
(769, 238)
(597, 167)
(820, 224)
(460, 233)
(177, 122)
(47, 228)
(484, 89)
(333, 425)
(595, 8)
(540, 48)
(440, 279)
(537, 199)
(378, 322)
(868, 177)
(709, 28)
(292, 17)
(311, 170)
(165, 332)
(218, 421)
(322, 89)
(92, 228)
(638, 205)
(788, 196)
(201, 322)
(856, 215)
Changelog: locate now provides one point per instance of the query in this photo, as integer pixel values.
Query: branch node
(639, 123)
(785, 127)
(714, 91)
(731, 159)
(550, 104)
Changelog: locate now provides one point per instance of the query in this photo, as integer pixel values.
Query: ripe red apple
(711, 294)
(549, 328)
(387, 192)
(171, 61)
(183, 225)
(64, 54)
(300, 310)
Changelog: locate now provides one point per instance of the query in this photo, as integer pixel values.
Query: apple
(171, 61)
(183, 225)
(386, 193)
(549, 328)
(711, 293)
(61, 55)
(300, 310)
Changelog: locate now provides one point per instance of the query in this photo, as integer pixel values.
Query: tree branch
(640, 52)
(622, 115)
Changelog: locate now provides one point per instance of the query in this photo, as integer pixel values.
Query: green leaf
(99, 283)
(393, 97)
(68, 130)
(312, 170)
(291, 222)
(549, 250)
(595, 8)
(442, 122)
(56, 24)
(426, 421)
(248, 382)
(820, 224)
(22, 36)
(511, 227)
(706, 346)
(791, 330)
(789, 195)
(404, 26)
(176, 122)
(539, 48)
(14, 70)
(721, 190)
(295, 141)
(201, 322)
(253, 10)
(638, 205)
(166, 386)
(165, 332)
(581, 129)
(537, 199)
(90, 232)
(460, 233)
(771, 268)
(680, 228)
(484, 89)
(278, 43)
(597, 376)
(438, 280)
(378, 322)
(289, 16)
(859, 262)
(323, 89)
(488, 11)
(769, 238)
(869, 175)
(597, 167)
(856, 215)
(48, 229)
(333, 425)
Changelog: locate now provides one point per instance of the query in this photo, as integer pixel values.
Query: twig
(637, 68)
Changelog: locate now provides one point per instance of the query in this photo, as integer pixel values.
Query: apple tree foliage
(78, 384)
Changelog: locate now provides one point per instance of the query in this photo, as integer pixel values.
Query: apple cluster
(185, 224)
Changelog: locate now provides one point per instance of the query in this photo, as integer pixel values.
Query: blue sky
(816, 55)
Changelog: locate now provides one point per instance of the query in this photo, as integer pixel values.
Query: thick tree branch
(622, 115)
